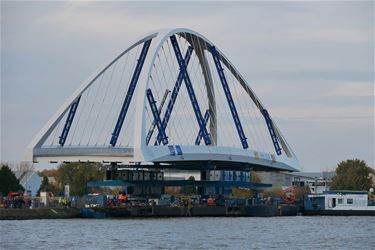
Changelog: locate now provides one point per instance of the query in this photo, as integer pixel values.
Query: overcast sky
(311, 64)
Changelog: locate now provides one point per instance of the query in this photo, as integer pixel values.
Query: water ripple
(191, 233)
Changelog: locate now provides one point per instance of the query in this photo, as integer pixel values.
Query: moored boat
(340, 203)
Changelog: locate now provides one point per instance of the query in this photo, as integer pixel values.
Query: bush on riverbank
(8, 181)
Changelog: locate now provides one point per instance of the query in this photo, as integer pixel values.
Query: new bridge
(172, 100)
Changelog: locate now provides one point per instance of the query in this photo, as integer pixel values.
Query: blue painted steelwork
(241, 176)
(179, 150)
(200, 134)
(189, 87)
(156, 115)
(153, 125)
(112, 183)
(129, 94)
(69, 121)
(172, 152)
(235, 175)
(174, 94)
(91, 213)
(229, 97)
(272, 131)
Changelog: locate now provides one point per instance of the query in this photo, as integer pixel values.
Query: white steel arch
(140, 151)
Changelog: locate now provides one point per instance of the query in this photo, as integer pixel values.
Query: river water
(191, 233)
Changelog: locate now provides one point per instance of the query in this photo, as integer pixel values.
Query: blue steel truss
(174, 94)
(153, 125)
(272, 131)
(129, 94)
(200, 134)
(229, 97)
(69, 121)
(156, 115)
(189, 87)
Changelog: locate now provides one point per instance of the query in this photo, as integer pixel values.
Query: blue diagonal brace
(174, 94)
(156, 115)
(272, 131)
(69, 121)
(190, 90)
(129, 94)
(153, 125)
(220, 70)
(200, 134)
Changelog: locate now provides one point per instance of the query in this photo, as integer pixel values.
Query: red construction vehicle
(289, 196)
(13, 195)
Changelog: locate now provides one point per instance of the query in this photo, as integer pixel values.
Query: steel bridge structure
(171, 99)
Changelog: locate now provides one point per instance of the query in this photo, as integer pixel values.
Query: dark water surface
(191, 233)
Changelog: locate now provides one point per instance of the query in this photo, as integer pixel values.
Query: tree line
(353, 175)
(76, 175)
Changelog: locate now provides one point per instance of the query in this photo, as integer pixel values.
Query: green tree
(44, 185)
(77, 175)
(47, 187)
(48, 172)
(352, 175)
(8, 181)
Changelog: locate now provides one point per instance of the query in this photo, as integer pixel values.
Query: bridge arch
(164, 151)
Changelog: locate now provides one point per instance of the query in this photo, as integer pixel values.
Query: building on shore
(318, 182)
(30, 181)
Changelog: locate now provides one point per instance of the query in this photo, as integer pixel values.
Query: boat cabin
(339, 200)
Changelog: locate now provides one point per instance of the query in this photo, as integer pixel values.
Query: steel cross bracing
(272, 131)
(229, 97)
(174, 94)
(189, 87)
(156, 115)
(129, 94)
(69, 121)
(199, 137)
(153, 125)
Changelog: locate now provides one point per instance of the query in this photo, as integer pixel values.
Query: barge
(260, 210)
